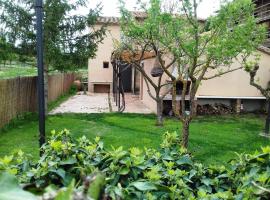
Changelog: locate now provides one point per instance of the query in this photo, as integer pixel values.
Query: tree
(68, 44)
(5, 51)
(134, 52)
(197, 47)
(252, 68)
(139, 43)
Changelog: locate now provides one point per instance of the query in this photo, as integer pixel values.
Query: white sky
(110, 7)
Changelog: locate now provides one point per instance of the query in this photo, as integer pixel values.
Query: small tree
(252, 68)
(68, 43)
(134, 52)
(198, 47)
(139, 43)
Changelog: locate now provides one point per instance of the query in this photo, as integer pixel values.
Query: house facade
(100, 71)
(263, 15)
(230, 89)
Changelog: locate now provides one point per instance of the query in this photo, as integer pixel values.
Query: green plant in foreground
(167, 173)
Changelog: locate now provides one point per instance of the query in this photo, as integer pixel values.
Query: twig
(260, 187)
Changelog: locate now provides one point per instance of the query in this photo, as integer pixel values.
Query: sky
(110, 7)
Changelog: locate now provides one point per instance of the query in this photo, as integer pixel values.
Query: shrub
(167, 173)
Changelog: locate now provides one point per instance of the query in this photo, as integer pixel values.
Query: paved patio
(134, 105)
(98, 103)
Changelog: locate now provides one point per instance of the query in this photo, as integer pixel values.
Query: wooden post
(267, 123)
(238, 106)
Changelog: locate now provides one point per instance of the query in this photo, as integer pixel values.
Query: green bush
(167, 173)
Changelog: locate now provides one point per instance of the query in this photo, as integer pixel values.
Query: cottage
(232, 89)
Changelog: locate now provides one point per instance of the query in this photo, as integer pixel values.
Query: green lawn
(13, 72)
(213, 139)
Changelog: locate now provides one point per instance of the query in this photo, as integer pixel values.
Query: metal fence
(19, 95)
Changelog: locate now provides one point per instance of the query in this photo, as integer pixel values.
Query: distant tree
(252, 68)
(197, 48)
(68, 41)
(5, 51)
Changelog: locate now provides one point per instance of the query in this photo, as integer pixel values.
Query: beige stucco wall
(231, 85)
(236, 84)
(96, 72)
(146, 99)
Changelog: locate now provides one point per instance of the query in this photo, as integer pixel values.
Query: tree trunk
(185, 133)
(159, 113)
(267, 122)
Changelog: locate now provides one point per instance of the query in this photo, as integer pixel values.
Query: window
(105, 64)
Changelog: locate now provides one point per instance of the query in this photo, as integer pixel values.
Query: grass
(15, 71)
(213, 139)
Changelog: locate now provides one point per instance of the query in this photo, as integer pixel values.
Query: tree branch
(149, 90)
(264, 91)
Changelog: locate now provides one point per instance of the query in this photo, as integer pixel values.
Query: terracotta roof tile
(139, 14)
(108, 20)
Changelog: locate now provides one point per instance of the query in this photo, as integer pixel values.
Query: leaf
(184, 160)
(124, 171)
(168, 157)
(207, 181)
(144, 186)
(66, 194)
(163, 188)
(223, 176)
(60, 172)
(6, 160)
(266, 149)
(192, 173)
(69, 161)
(96, 187)
(10, 189)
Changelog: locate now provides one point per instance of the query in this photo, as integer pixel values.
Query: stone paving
(98, 103)
(134, 105)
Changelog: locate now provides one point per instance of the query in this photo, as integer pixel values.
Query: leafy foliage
(167, 173)
(10, 189)
(5, 50)
(68, 43)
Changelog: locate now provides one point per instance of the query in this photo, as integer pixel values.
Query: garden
(118, 155)
(213, 139)
(168, 172)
